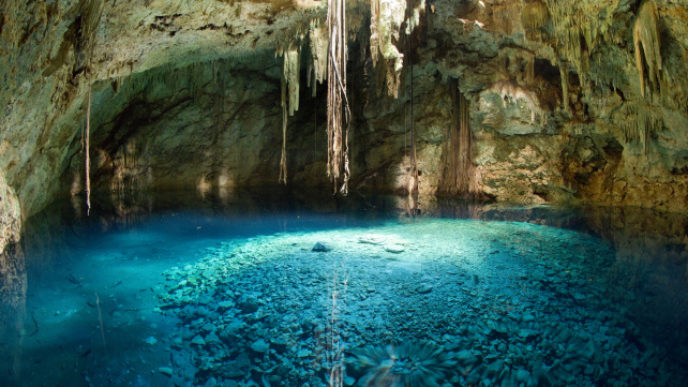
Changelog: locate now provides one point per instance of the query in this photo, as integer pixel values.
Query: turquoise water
(352, 292)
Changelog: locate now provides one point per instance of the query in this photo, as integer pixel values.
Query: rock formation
(567, 101)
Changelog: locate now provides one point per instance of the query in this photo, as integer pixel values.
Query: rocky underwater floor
(431, 302)
(313, 298)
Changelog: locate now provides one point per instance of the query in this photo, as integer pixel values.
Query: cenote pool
(346, 292)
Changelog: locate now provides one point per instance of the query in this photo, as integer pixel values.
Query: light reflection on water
(93, 301)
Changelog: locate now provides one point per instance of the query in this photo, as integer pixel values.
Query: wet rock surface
(481, 304)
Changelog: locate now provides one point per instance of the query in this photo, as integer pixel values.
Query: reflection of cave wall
(13, 286)
(549, 125)
(12, 271)
(13, 281)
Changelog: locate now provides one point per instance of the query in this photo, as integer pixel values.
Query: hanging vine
(92, 12)
(386, 20)
(338, 110)
(87, 157)
(283, 158)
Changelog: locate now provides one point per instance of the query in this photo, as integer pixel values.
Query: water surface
(231, 292)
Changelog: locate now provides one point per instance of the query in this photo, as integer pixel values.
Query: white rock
(394, 248)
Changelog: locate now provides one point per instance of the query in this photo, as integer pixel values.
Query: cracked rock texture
(186, 95)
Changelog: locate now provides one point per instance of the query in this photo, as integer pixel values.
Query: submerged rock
(321, 247)
(466, 357)
(394, 248)
(376, 363)
(261, 310)
(260, 346)
(198, 340)
(165, 371)
(303, 352)
(522, 375)
(371, 239)
(150, 340)
(424, 288)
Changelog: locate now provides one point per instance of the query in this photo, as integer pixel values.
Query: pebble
(150, 340)
(394, 248)
(522, 375)
(303, 352)
(527, 333)
(466, 357)
(260, 346)
(165, 371)
(197, 340)
(424, 288)
(371, 239)
(224, 305)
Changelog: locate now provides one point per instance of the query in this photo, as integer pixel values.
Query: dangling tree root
(338, 110)
(87, 156)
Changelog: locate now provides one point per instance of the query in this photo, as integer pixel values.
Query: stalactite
(393, 79)
(91, 12)
(374, 35)
(338, 110)
(647, 46)
(459, 169)
(534, 15)
(291, 75)
(564, 75)
(291, 67)
(640, 123)
(386, 19)
(415, 13)
(413, 188)
(578, 28)
(318, 42)
(530, 70)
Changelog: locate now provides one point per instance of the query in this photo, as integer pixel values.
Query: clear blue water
(233, 293)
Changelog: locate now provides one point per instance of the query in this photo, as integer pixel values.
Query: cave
(343, 193)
